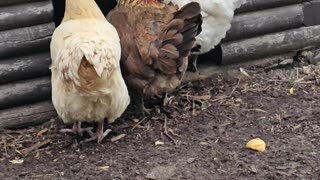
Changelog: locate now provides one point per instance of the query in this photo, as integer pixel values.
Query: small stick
(138, 123)
(167, 133)
(35, 147)
(228, 96)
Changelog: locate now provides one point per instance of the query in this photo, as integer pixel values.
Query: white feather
(217, 16)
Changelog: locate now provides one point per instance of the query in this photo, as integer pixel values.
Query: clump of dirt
(200, 134)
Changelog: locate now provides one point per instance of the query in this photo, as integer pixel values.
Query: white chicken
(217, 16)
(87, 85)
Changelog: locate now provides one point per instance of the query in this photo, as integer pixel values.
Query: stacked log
(25, 40)
(28, 115)
(255, 5)
(24, 67)
(270, 44)
(260, 34)
(24, 15)
(266, 21)
(25, 90)
(11, 2)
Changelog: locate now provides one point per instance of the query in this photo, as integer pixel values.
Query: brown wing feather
(155, 44)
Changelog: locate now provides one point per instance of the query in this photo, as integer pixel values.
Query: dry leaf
(204, 97)
(190, 160)
(244, 72)
(17, 161)
(158, 143)
(291, 91)
(104, 168)
(256, 144)
(43, 131)
(37, 155)
(117, 138)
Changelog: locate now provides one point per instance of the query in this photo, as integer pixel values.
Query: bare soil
(200, 134)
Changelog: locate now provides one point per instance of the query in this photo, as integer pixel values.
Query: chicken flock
(141, 49)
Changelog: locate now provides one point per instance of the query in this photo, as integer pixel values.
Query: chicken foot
(166, 99)
(141, 108)
(193, 58)
(76, 129)
(100, 134)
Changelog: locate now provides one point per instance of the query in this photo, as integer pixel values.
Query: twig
(138, 123)
(7, 131)
(228, 96)
(178, 88)
(167, 133)
(286, 81)
(255, 109)
(35, 147)
(175, 134)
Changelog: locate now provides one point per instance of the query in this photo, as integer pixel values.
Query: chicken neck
(82, 9)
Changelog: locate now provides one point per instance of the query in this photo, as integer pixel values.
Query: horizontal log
(254, 5)
(24, 67)
(25, 40)
(11, 2)
(29, 115)
(23, 15)
(25, 92)
(265, 21)
(271, 44)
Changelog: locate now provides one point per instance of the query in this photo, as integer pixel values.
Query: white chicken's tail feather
(95, 50)
(238, 3)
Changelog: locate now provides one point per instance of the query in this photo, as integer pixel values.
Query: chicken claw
(141, 108)
(76, 129)
(144, 110)
(193, 59)
(100, 134)
(166, 99)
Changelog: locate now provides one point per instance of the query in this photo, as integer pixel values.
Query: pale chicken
(217, 16)
(87, 85)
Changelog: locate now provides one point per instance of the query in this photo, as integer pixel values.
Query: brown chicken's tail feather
(178, 38)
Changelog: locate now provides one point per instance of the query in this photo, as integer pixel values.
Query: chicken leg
(100, 134)
(76, 129)
(193, 58)
(141, 108)
(166, 99)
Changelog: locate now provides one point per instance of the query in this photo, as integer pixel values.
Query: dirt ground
(201, 134)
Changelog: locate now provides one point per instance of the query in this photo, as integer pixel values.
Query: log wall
(260, 28)
(25, 90)
(267, 28)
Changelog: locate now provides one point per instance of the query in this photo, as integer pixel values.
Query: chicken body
(87, 84)
(217, 16)
(156, 40)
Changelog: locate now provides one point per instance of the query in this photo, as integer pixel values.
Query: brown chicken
(156, 40)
